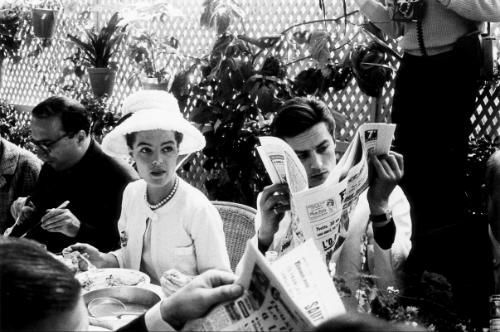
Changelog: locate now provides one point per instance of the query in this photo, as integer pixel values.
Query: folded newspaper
(322, 213)
(293, 293)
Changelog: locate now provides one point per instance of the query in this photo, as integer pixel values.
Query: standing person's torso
(441, 28)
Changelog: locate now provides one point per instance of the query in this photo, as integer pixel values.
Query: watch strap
(380, 220)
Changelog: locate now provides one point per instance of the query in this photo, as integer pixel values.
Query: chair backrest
(238, 220)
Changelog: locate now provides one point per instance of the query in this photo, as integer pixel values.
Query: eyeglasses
(46, 147)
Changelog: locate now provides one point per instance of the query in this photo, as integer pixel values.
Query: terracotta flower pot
(151, 83)
(44, 22)
(102, 80)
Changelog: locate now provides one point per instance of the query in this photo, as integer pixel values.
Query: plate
(104, 278)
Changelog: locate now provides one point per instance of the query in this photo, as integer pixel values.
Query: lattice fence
(29, 81)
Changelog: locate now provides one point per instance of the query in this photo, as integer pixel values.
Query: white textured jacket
(186, 233)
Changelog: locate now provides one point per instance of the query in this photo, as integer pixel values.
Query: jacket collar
(8, 158)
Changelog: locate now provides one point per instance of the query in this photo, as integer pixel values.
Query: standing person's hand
(274, 202)
(201, 294)
(387, 172)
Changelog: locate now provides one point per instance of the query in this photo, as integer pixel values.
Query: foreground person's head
(351, 322)
(308, 127)
(38, 293)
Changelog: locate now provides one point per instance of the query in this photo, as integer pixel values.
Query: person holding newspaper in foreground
(39, 293)
(379, 224)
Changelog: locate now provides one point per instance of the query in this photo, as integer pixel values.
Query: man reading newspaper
(376, 221)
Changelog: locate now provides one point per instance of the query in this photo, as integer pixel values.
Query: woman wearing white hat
(165, 223)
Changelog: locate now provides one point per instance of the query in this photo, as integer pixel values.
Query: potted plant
(97, 50)
(145, 50)
(44, 17)
(102, 119)
(12, 19)
(243, 81)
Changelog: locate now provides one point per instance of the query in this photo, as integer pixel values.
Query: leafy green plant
(427, 301)
(219, 14)
(479, 150)
(46, 4)
(11, 128)
(102, 119)
(99, 47)
(14, 26)
(243, 81)
(145, 51)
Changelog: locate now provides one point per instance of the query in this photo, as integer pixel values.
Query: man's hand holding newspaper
(274, 202)
(322, 213)
(294, 293)
(389, 169)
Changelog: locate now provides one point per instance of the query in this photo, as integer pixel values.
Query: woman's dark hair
(34, 285)
(74, 116)
(130, 138)
(298, 115)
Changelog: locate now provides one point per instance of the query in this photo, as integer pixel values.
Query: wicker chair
(238, 223)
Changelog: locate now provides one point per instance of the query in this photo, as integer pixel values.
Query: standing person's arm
(381, 15)
(476, 10)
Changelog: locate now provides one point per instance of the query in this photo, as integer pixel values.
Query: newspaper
(294, 293)
(322, 213)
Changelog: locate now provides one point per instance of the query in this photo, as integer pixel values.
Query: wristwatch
(380, 220)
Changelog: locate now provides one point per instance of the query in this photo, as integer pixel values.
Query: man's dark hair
(33, 285)
(74, 116)
(298, 115)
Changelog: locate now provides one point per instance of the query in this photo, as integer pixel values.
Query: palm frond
(100, 47)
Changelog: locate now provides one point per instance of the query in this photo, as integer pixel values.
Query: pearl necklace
(165, 200)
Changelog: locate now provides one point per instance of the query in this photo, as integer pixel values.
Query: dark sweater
(94, 187)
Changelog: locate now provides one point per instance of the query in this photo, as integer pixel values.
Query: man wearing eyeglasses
(78, 194)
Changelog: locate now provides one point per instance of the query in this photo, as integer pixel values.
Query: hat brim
(153, 119)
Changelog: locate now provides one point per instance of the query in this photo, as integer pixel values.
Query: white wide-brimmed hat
(151, 110)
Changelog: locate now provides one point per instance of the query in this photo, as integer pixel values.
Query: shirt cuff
(154, 321)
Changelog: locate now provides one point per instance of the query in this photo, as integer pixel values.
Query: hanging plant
(44, 17)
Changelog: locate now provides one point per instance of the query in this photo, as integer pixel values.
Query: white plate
(103, 278)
